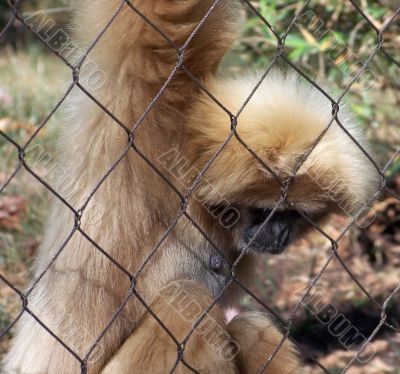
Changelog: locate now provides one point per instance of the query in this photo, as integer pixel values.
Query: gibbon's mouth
(274, 236)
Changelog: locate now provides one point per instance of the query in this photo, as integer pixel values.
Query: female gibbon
(156, 234)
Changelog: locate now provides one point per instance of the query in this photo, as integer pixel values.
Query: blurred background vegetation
(329, 43)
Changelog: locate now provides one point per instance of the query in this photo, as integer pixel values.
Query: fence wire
(279, 56)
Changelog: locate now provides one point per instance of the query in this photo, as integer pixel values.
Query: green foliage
(330, 42)
(4, 13)
(4, 318)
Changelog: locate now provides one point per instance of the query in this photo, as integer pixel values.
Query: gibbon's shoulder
(280, 122)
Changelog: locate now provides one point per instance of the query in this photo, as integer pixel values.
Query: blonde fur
(133, 207)
(151, 350)
(280, 126)
(245, 342)
(258, 338)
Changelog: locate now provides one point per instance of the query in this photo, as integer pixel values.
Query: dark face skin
(274, 236)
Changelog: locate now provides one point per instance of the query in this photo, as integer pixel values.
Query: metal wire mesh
(78, 212)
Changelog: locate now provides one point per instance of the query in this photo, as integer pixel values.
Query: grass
(31, 81)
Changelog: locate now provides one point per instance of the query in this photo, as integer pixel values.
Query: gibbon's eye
(275, 235)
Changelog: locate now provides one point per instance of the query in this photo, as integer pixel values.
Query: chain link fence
(279, 57)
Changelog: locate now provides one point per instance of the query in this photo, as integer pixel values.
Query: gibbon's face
(272, 237)
(281, 230)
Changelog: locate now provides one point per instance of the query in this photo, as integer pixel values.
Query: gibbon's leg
(151, 350)
(257, 339)
(241, 347)
(82, 289)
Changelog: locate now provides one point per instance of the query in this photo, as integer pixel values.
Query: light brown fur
(151, 350)
(133, 207)
(245, 342)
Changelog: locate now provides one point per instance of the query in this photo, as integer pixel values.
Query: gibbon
(132, 216)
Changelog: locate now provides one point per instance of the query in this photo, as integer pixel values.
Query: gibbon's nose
(274, 236)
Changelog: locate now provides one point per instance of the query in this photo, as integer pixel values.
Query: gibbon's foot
(151, 350)
(257, 339)
(241, 347)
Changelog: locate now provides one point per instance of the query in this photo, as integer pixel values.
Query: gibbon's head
(280, 123)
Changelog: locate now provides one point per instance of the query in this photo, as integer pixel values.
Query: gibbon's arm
(136, 62)
(131, 48)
